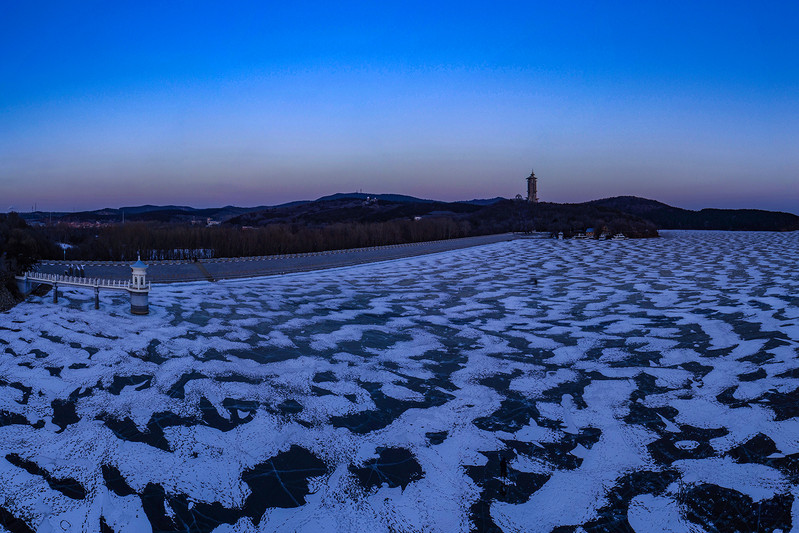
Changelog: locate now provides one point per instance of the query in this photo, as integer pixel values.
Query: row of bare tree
(183, 241)
(163, 241)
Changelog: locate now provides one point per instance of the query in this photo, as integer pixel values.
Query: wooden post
(55, 293)
(97, 297)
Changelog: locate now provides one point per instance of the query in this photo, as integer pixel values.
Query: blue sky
(207, 104)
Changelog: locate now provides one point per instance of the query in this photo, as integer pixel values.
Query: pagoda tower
(532, 188)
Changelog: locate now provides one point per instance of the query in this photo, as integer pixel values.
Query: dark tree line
(21, 246)
(331, 228)
(570, 219)
(158, 241)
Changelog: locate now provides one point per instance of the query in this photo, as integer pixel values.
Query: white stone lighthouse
(139, 289)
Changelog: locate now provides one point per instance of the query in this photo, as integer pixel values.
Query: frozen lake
(650, 385)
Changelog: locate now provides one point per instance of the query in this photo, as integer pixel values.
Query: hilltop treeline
(340, 210)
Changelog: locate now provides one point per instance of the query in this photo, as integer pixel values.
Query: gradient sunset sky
(109, 104)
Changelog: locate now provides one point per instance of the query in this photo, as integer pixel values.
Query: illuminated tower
(532, 188)
(139, 289)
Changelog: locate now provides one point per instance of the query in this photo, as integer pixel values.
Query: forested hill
(406, 206)
(20, 247)
(665, 216)
(346, 208)
(472, 218)
(354, 221)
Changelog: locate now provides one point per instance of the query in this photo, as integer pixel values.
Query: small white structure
(139, 289)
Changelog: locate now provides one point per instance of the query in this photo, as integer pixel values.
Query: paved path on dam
(246, 267)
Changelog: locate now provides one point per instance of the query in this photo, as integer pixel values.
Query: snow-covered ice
(650, 385)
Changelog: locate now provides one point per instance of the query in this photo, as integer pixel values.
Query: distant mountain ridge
(665, 216)
(354, 207)
(166, 213)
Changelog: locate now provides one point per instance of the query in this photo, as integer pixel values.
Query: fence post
(97, 297)
(55, 293)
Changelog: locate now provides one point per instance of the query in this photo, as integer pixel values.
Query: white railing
(83, 282)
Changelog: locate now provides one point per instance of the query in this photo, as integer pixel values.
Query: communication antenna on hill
(532, 188)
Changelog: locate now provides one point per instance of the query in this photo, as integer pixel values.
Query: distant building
(532, 188)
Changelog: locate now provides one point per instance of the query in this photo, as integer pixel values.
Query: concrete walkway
(247, 267)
